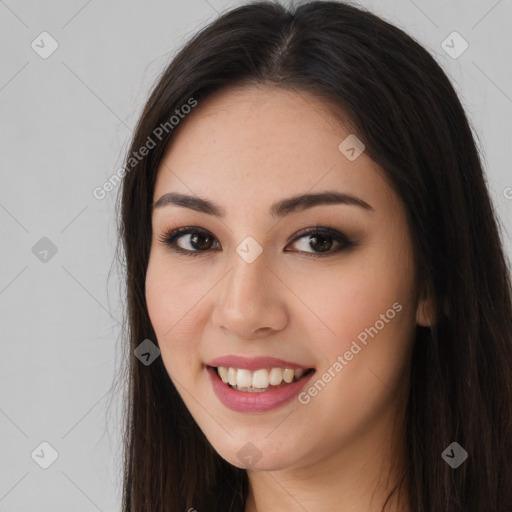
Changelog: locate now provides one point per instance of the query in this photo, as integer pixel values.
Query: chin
(257, 452)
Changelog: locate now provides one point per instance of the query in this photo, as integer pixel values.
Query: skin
(245, 148)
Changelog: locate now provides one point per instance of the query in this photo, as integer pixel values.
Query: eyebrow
(279, 209)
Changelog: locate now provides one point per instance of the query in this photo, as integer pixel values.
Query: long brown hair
(404, 109)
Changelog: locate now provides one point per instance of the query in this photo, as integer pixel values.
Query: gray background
(66, 122)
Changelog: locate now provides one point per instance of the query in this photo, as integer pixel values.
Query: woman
(310, 243)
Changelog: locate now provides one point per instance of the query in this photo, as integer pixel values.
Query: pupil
(326, 245)
(197, 245)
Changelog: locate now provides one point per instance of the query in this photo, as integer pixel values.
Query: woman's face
(326, 288)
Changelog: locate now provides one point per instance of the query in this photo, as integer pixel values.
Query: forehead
(250, 143)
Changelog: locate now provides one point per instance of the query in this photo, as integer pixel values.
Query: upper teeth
(260, 379)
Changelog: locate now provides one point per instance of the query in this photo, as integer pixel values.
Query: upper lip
(253, 363)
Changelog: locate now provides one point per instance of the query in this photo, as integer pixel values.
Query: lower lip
(241, 401)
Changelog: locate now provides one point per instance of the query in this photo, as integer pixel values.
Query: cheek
(173, 302)
(344, 301)
(368, 318)
(159, 297)
(364, 356)
(173, 293)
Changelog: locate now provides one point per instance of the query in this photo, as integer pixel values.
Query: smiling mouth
(261, 380)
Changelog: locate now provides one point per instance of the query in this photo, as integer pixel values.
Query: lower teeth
(250, 390)
(258, 390)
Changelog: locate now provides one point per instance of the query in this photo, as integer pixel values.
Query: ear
(425, 311)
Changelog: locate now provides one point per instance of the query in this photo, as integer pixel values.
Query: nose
(251, 300)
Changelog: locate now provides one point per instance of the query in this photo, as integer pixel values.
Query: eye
(322, 240)
(189, 241)
(192, 241)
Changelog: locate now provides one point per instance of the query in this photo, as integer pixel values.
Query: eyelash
(170, 238)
